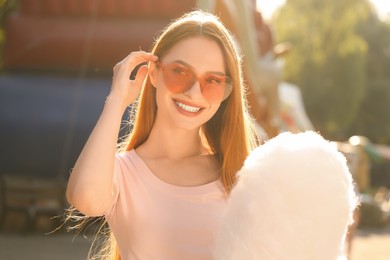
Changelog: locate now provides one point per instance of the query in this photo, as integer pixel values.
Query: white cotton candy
(294, 200)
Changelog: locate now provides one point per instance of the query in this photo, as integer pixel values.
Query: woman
(164, 194)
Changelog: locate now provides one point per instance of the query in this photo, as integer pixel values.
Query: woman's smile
(188, 109)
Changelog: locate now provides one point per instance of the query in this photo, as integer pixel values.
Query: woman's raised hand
(90, 184)
(123, 89)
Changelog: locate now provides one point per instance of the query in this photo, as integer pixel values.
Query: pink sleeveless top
(152, 219)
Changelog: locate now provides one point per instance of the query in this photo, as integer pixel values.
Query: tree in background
(373, 119)
(328, 58)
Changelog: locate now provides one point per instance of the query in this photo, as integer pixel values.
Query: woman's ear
(153, 73)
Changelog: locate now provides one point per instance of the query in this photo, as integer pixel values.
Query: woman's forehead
(201, 53)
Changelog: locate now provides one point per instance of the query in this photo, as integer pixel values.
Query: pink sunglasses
(179, 78)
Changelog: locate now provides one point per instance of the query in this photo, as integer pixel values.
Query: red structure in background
(56, 35)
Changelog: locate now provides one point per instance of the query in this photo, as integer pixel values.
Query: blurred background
(308, 65)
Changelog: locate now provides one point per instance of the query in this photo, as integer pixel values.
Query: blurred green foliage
(373, 118)
(6, 7)
(337, 63)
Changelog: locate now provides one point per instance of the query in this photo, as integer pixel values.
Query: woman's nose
(195, 91)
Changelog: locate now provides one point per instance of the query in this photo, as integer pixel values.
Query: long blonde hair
(230, 133)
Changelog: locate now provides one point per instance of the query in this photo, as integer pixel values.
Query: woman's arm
(90, 184)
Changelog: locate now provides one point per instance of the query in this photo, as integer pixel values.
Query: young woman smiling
(163, 194)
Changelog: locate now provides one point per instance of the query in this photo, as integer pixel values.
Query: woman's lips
(187, 108)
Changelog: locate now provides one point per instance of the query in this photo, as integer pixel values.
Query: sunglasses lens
(216, 88)
(179, 78)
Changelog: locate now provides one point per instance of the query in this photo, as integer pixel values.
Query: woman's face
(190, 108)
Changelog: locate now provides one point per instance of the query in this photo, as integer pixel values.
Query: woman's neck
(172, 143)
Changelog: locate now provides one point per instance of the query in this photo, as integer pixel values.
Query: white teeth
(187, 108)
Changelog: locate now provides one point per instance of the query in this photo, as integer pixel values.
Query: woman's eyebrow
(185, 64)
(193, 69)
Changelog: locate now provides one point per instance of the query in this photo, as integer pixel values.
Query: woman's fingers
(124, 89)
(135, 58)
